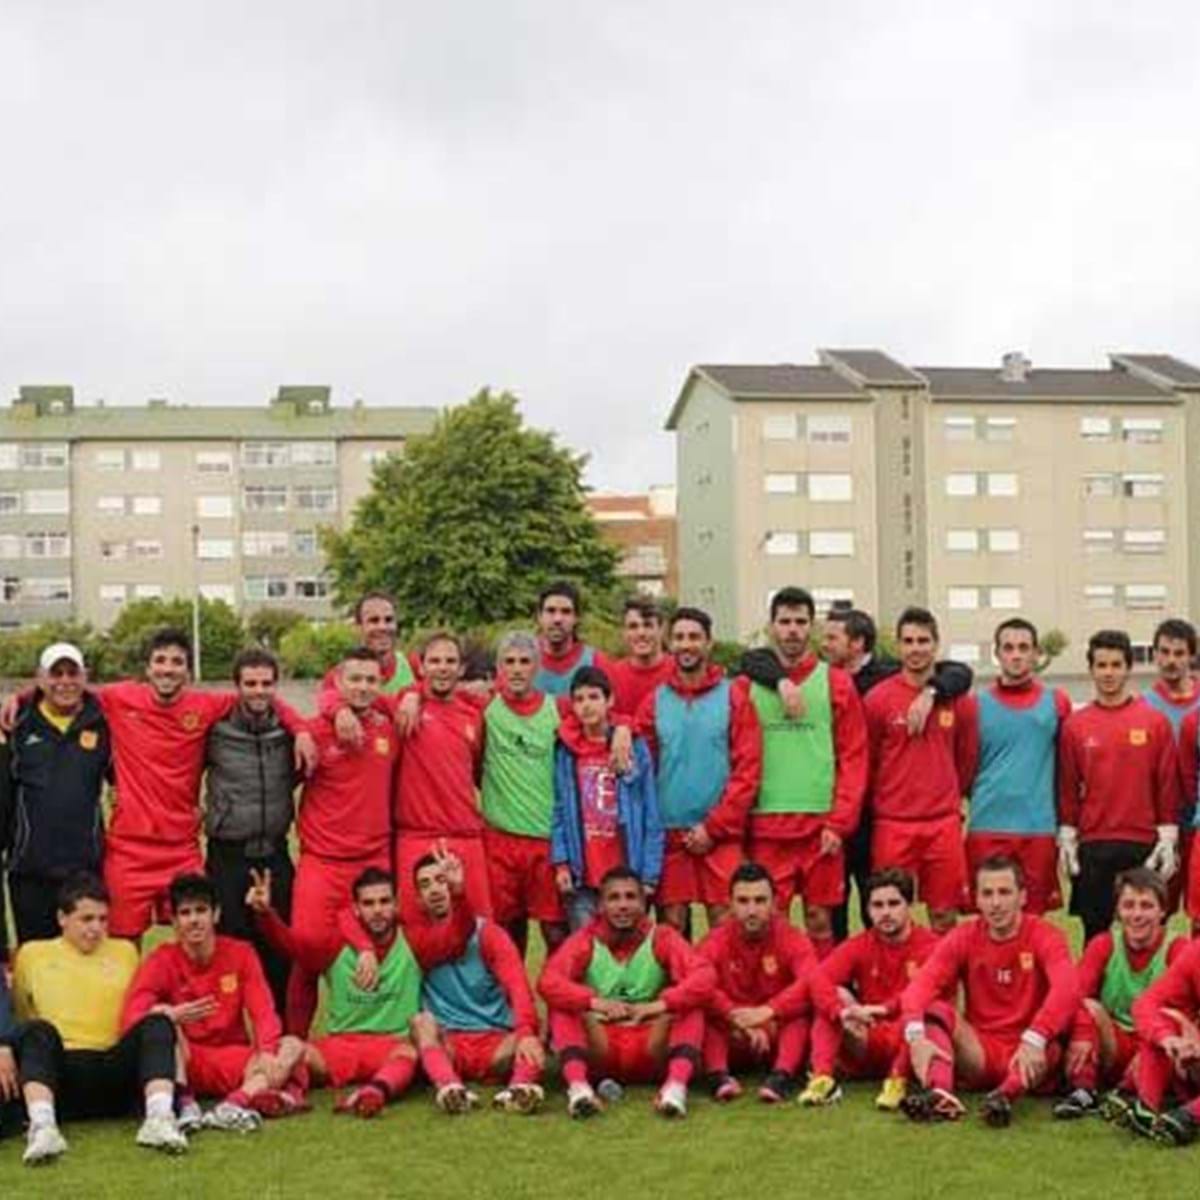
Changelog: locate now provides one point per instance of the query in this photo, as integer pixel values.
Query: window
(52, 590)
(312, 454)
(962, 541)
(782, 543)
(113, 551)
(10, 546)
(1095, 429)
(963, 597)
(304, 543)
(783, 427)
(959, 429)
(265, 587)
(264, 454)
(962, 484)
(51, 501)
(826, 429)
(967, 652)
(10, 456)
(316, 499)
(1000, 429)
(374, 457)
(1142, 487)
(147, 460)
(214, 506)
(1100, 595)
(1001, 483)
(147, 506)
(1145, 595)
(110, 460)
(262, 543)
(10, 588)
(208, 549)
(1099, 485)
(47, 545)
(225, 592)
(831, 543)
(147, 548)
(113, 593)
(1005, 597)
(148, 591)
(782, 485)
(1004, 541)
(1098, 541)
(257, 497)
(214, 462)
(10, 502)
(44, 456)
(1144, 541)
(1143, 430)
(825, 598)
(112, 506)
(826, 487)
(312, 588)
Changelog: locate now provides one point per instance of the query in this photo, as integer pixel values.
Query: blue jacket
(637, 816)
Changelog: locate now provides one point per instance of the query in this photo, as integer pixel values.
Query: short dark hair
(479, 663)
(442, 635)
(191, 885)
(646, 608)
(1142, 879)
(254, 656)
(1110, 639)
(857, 624)
(375, 594)
(371, 877)
(921, 617)
(751, 872)
(560, 587)
(616, 874)
(591, 677)
(1002, 862)
(687, 613)
(895, 877)
(169, 635)
(792, 597)
(82, 885)
(1018, 623)
(360, 654)
(1177, 630)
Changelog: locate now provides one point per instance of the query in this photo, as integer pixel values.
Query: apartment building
(101, 505)
(643, 528)
(1061, 494)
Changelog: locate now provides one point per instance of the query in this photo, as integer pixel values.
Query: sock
(301, 1006)
(573, 1070)
(1011, 1088)
(240, 1097)
(793, 1041)
(679, 1069)
(436, 1064)
(941, 1070)
(716, 1049)
(41, 1112)
(395, 1075)
(525, 1072)
(826, 1042)
(160, 1104)
(1153, 1076)
(1085, 1033)
(901, 1064)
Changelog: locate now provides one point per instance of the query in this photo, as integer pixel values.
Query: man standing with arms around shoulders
(559, 610)
(646, 663)
(377, 628)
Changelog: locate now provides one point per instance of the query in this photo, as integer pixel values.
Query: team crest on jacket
(381, 745)
(1137, 737)
(946, 719)
(229, 984)
(88, 740)
(770, 964)
(1026, 961)
(190, 721)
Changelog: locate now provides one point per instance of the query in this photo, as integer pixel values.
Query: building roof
(1164, 368)
(871, 368)
(987, 383)
(783, 379)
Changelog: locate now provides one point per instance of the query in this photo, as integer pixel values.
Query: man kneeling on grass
(627, 998)
(69, 992)
(208, 985)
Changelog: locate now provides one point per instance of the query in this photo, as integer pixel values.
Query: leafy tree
(267, 626)
(471, 521)
(1053, 642)
(221, 633)
(308, 650)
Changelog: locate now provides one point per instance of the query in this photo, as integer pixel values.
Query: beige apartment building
(1064, 495)
(102, 505)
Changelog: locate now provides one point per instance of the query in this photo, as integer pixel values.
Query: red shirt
(1020, 698)
(439, 763)
(779, 969)
(914, 778)
(1178, 990)
(329, 684)
(632, 682)
(1189, 758)
(1027, 982)
(345, 809)
(1098, 951)
(1118, 773)
(877, 971)
(597, 786)
(233, 978)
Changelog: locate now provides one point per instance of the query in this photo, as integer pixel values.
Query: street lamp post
(196, 602)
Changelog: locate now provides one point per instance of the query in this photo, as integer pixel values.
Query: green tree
(1053, 643)
(267, 626)
(221, 633)
(466, 526)
(307, 650)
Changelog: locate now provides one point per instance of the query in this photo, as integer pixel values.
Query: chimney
(1014, 367)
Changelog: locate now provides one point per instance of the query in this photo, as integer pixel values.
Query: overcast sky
(578, 201)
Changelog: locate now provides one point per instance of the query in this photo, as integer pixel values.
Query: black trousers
(858, 870)
(35, 906)
(97, 1083)
(1092, 899)
(229, 867)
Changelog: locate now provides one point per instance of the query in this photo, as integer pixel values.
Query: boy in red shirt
(857, 1032)
(646, 663)
(917, 781)
(1021, 993)
(208, 984)
(1118, 795)
(767, 983)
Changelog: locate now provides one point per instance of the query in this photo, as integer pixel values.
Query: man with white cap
(60, 750)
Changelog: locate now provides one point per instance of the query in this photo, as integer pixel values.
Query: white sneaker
(232, 1118)
(582, 1102)
(191, 1118)
(671, 1100)
(43, 1145)
(523, 1098)
(453, 1098)
(162, 1133)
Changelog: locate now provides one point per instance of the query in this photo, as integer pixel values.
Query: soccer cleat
(932, 1104)
(1175, 1127)
(278, 1102)
(582, 1102)
(723, 1087)
(191, 1117)
(996, 1110)
(522, 1098)
(1082, 1102)
(777, 1087)
(671, 1101)
(454, 1099)
(891, 1095)
(232, 1118)
(162, 1133)
(1116, 1107)
(43, 1145)
(821, 1090)
(366, 1102)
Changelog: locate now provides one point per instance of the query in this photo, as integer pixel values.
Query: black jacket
(950, 679)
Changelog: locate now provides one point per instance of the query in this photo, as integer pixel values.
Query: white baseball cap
(59, 651)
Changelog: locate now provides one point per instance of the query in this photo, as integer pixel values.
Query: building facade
(102, 505)
(643, 528)
(1063, 495)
